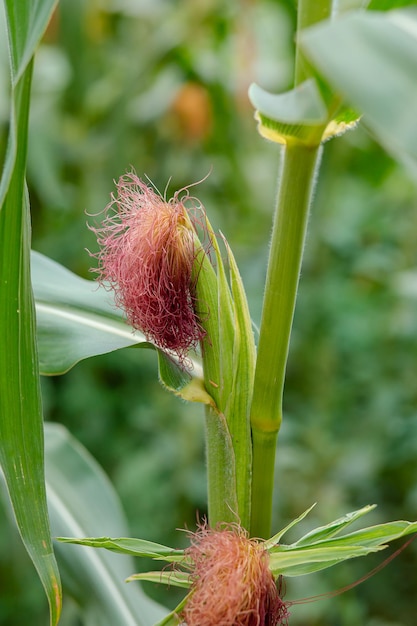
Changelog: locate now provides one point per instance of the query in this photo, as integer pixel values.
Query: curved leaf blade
(301, 105)
(128, 545)
(83, 502)
(296, 114)
(76, 318)
(372, 59)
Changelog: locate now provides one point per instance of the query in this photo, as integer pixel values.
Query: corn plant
(168, 282)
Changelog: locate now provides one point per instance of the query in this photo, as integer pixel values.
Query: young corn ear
(147, 253)
(232, 584)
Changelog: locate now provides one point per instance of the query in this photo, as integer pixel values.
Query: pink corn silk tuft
(147, 256)
(232, 583)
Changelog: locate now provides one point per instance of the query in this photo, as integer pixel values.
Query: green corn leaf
(328, 531)
(236, 364)
(297, 114)
(213, 295)
(226, 328)
(126, 545)
(21, 433)
(27, 22)
(238, 408)
(312, 123)
(82, 501)
(215, 312)
(306, 561)
(321, 549)
(276, 538)
(76, 318)
(174, 579)
(302, 105)
(371, 58)
(373, 536)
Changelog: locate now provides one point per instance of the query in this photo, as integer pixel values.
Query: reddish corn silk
(232, 584)
(146, 256)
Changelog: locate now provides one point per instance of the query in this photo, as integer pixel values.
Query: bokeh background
(161, 85)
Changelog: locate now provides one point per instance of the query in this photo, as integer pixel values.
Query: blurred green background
(162, 86)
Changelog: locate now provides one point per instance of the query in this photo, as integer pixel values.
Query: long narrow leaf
(306, 561)
(276, 538)
(372, 536)
(21, 433)
(295, 559)
(332, 529)
(174, 579)
(126, 545)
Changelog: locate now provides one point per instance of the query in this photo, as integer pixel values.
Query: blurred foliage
(161, 86)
